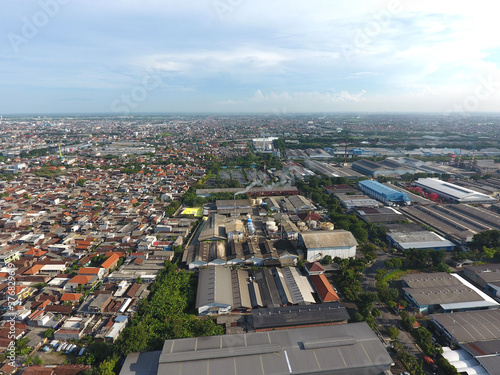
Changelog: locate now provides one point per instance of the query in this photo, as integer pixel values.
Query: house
(111, 262)
(92, 271)
(80, 280)
(71, 297)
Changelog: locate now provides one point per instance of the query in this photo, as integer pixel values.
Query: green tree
(80, 182)
(106, 367)
(38, 361)
(393, 332)
(48, 333)
(327, 259)
(133, 339)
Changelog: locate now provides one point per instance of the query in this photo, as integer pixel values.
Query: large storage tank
(327, 226)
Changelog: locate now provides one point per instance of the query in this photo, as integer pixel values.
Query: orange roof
(108, 263)
(88, 271)
(34, 270)
(324, 288)
(121, 254)
(81, 279)
(71, 296)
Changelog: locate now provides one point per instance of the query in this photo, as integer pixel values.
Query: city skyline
(239, 57)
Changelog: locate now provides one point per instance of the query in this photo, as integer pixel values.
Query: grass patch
(394, 275)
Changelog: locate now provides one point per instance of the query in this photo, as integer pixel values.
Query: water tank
(327, 226)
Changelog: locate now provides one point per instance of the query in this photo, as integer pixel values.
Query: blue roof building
(384, 193)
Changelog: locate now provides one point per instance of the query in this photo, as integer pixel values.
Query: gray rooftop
(214, 286)
(327, 239)
(339, 349)
(471, 326)
(420, 240)
(430, 280)
(299, 315)
(454, 294)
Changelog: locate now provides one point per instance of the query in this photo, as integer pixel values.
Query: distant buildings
(453, 192)
(384, 193)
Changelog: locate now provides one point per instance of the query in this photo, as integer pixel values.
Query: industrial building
(452, 192)
(384, 193)
(384, 168)
(222, 290)
(336, 243)
(334, 350)
(487, 276)
(477, 334)
(458, 222)
(380, 215)
(350, 202)
(299, 316)
(419, 240)
(445, 293)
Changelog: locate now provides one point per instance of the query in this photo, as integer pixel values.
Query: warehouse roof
(430, 280)
(420, 240)
(299, 315)
(456, 192)
(327, 349)
(444, 291)
(471, 326)
(214, 286)
(327, 239)
(214, 228)
(488, 272)
(380, 188)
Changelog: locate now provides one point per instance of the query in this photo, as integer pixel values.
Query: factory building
(419, 240)
(384, 193)
(476, 334)
(444, 293)
(337, 243)
(333, 349)
(452, 192)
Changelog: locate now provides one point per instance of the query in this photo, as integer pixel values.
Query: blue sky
(96, 56)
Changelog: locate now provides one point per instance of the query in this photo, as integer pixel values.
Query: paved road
(388, 317)
(368, 283)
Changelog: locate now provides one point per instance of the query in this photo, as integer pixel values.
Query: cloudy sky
(127, 56)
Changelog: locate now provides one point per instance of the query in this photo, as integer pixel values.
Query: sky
(127, 56)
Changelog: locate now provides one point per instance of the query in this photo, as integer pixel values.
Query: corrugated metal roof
(271, 353)
(327, 239)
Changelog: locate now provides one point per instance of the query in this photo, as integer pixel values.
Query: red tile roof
(71, 296)
(324, 288)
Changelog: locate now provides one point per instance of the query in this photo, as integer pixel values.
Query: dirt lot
(55, 358)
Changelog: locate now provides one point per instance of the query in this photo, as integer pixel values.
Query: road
(388, 317)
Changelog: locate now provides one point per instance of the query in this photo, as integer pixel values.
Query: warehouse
(221, 290)
(384, 168)
(419, 240)
(477, 333)
(335, 350)
(384, 193)
(355, 201)
(452, 192)
(487, 276)
(297, 316)
(337, 243)
(443, 292)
